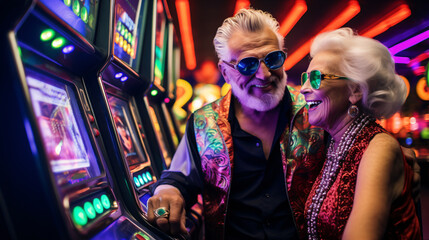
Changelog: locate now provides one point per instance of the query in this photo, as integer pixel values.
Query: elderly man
(251, 154)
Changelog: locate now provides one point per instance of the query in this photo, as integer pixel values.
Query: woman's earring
(353, 111)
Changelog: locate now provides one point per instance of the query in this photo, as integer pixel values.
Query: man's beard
(264, 103)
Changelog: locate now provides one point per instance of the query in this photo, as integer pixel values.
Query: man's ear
(355, 94)
(222, 70)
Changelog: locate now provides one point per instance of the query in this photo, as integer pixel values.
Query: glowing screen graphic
(65, 138)
(128, 21)
(126, 130)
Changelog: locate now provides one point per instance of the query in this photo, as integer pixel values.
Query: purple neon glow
(409, 43)
(118, 75)
(401, 60)
(124, 78)
(166, 100)
(68, 49)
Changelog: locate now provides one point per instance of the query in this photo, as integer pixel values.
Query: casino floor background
(95, 97)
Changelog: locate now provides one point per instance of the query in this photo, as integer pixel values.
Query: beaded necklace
(330, 171)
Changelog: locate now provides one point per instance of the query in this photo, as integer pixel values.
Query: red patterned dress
(337, 206)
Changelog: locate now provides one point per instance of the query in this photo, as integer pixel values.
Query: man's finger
(152, 204)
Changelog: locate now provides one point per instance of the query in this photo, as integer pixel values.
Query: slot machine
(55, 180)
(118, 99)
(157, 95)
(172, 74)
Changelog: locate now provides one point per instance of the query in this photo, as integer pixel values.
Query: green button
(58, 42)
(76, 7)
(79, 216)
(97, 205)
(89, 209)
(67, 2)
(105, 201)
(84, 14)
(136, 180)
(47, 34)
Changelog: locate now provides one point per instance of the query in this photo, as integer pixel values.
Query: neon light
(409, 43)
(407, 84)
(118, 75)
(239, 4)
(124, 78)
(298, 9)
(166, 100)
(343, 17)
(184, 17)
(420, 58)
(401, 60)
(389, 20)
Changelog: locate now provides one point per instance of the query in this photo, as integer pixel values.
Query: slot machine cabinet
(172, 74)
(156, 95)
(117, 97)
(54, 180)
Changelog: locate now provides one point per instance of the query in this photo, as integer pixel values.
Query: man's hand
(171, 199)
(410, 156)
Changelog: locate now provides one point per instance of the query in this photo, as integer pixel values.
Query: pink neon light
(401, 60)
(409, 43)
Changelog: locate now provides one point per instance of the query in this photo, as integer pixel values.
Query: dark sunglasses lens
(315, 78)
(248, 66)
(304, 78)
(275, 59)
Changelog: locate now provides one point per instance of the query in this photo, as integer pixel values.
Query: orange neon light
(298, 9)
(239, 4)
(352, 9)
(389, 20)
(184, 17)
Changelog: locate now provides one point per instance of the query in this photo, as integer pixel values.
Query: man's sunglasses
(316, 77)
(248, 66)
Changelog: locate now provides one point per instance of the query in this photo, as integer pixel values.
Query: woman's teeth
(312, 104)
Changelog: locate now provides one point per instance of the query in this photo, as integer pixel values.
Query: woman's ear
(355, 94)
(222, 70)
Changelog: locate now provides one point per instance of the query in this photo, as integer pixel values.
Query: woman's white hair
(369, 64)
(246, 20)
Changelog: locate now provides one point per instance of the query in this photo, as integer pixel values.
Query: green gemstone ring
(161, 212)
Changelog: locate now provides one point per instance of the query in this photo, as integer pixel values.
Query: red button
(140, 127)
(96, 132)
(91, 118)
(143, 136)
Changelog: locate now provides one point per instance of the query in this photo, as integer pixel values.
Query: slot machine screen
(65, 137)
(129, 20)
(81, 15)
(126, 130)
(160, 42)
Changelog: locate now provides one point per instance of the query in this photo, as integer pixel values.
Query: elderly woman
(364, 188)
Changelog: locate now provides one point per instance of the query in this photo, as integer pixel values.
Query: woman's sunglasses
(316, 77)
(248, 66)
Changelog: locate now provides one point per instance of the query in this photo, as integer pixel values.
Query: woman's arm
(380, 181)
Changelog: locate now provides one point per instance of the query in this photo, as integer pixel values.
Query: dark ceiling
(207, 16)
